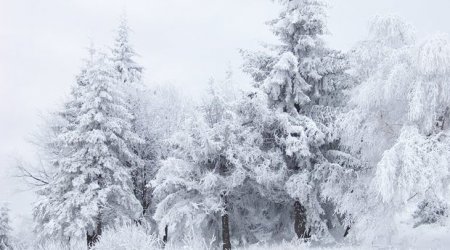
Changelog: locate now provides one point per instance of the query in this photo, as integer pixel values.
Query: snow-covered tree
(158, 113)
(386, 33)
(259, 207)
(193, 185)
(129, 75)
(211, 183)
(166, 110)
(397, 124)
(49, 146)
(123, 56)
(368, 95)
(91, 187)
(5, 228)
(305, 83)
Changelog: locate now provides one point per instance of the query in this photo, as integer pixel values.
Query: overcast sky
(184, 42)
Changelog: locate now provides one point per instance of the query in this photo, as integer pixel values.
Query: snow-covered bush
(429, 211)
(128, 237)
(55, 245)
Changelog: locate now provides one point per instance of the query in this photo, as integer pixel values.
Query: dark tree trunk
(225, 226)
(166, 236)
(92, 237)
(300, 221)
(346, 231)
(144, 202)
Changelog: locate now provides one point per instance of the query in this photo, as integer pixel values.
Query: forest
(322, 149)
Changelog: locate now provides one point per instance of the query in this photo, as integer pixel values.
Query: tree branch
(36, 178)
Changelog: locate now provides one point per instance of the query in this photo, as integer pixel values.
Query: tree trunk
(300, 221)
(225, 226)
(347, 231)
(166, 236)
(92, 237)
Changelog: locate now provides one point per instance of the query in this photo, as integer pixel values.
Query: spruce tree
(91, 186)
(304, 81)
(123, 56)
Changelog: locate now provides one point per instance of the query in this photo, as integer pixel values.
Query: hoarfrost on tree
(92, 188)
(306, 82)
(398, 125)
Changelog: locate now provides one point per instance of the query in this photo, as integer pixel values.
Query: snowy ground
(135, 238)
(286, 246)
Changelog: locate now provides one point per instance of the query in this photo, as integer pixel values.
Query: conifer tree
(129, 74)
(123, 56)
(305, 82)
(91, 187)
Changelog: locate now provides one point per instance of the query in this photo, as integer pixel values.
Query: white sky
(185, 42)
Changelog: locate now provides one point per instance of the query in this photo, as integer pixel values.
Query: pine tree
(92, 188)
(305, 83)
(5, 228)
